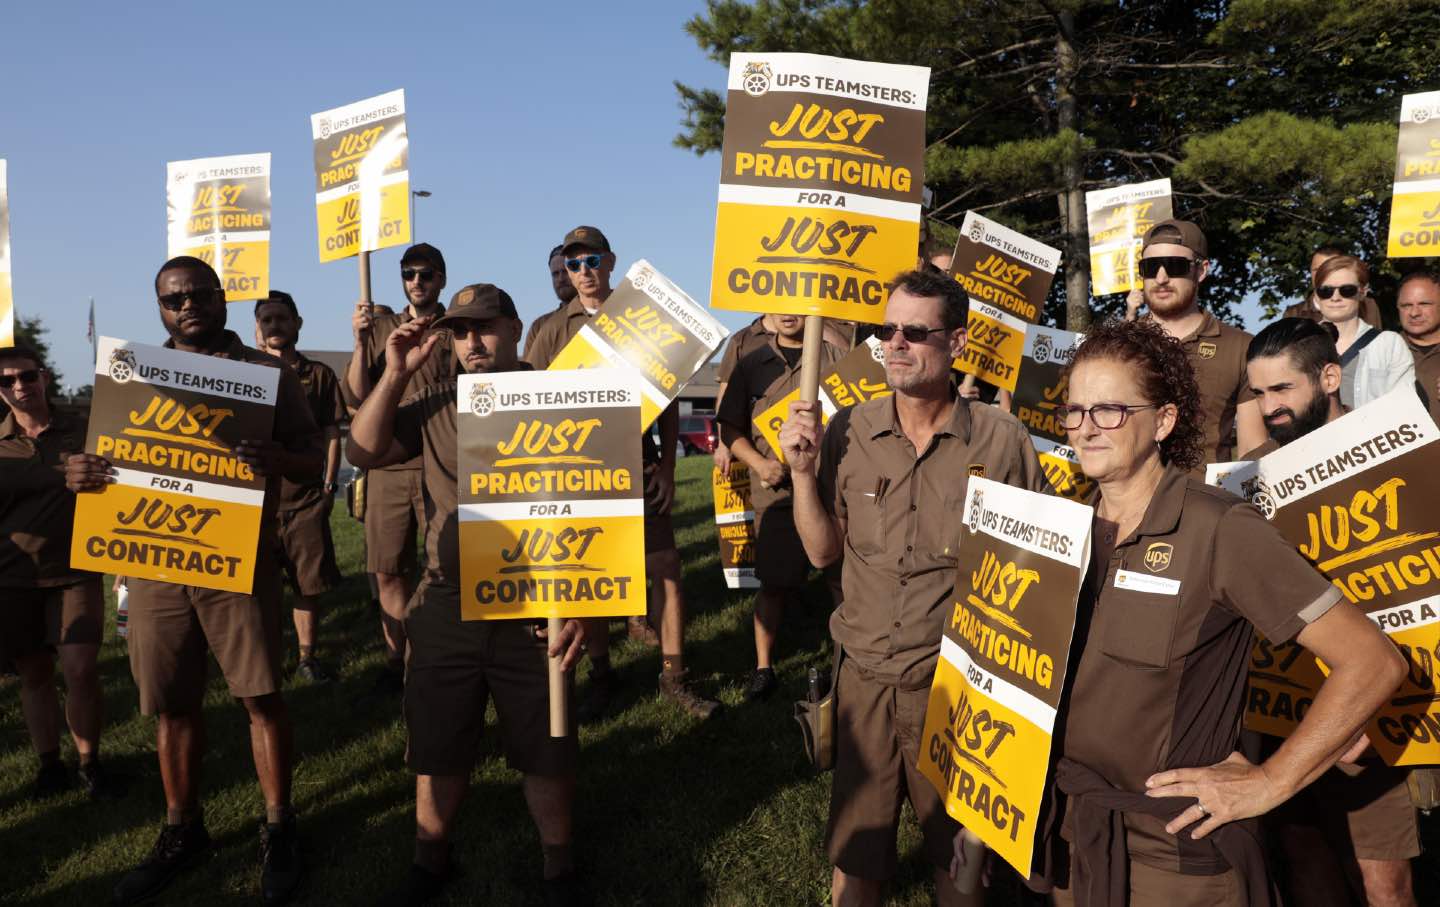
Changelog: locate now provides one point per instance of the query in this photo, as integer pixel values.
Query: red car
(699, 434)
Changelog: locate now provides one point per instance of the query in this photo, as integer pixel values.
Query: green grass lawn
(670, 810)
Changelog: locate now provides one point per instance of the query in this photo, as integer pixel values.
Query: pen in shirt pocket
(882, 484)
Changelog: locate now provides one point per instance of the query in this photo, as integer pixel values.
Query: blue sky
(525, 119)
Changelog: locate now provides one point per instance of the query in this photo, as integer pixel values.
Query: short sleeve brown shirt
(550, 333)
(741, 343)
(1217, 352)
(37, 511)
(1427, 374)
(327, 407)
(294, 427)
(904, 510)
(1163, 636)
(439, 368)
(426, 427)
(760, 380)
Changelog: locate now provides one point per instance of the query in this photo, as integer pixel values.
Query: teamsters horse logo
(756, 78)
(977, 232)
(1042, 350)
(323, 127)
(482, 399)
(1261, 498)
(977, 507)
(122, 365)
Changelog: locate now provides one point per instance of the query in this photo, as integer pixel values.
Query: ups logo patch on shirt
(1157, 556)
(977, 470)
(1207, 350)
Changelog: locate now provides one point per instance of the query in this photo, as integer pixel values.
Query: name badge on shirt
(1142, 582)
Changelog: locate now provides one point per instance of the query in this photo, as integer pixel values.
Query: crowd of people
(1151, 800)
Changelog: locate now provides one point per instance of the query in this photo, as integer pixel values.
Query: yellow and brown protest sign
(551, 495)
(183, 508)
(652, 326)
(1415, 206)
(7, 299)
(1039, 391)
(822, 172)
(219, 211)
(1357, 498)
(1284, 677)
(858, 376)
(1007, 276)
(1117, 219)
(1003, 658)
(362, 176)
(735, 523)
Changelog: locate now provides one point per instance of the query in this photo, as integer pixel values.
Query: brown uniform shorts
(1152, 885)
(394, 510)
(172, 626)
(37, 620)
(1364, 809)
(307, 551)
(780, 559)
(877, 746)
(454, 667)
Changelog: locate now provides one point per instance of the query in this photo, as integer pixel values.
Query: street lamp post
(414, 228)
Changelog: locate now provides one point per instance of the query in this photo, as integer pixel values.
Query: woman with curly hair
(1161, 808)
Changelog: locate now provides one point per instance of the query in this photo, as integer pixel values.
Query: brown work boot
(639, 629)
(676, 687)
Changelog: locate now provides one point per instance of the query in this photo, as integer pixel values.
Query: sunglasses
(1174, 265)
(591, 261)
(28, 376)
(422, 274)
(1106, 416)
(1347, 290)
(913, 333)
(174, 302)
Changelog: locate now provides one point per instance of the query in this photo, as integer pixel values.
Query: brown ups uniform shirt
(1161, 669)
(550, 333)
(1217, 351)
(327, 407)
(753, 336)
(757, 382)
(440, 367)
(904, 511)
(37, 511)
(1427, 373)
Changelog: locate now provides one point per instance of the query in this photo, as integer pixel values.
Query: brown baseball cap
(426, 253)
(481, 302)
(590, 237)
(1178, 233)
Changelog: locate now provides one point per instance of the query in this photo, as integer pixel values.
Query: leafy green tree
(1275, 119)
(31, 332)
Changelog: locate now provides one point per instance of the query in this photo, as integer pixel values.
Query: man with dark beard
(1361, 807)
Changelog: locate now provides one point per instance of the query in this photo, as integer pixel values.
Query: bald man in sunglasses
(1173, 264)
(395, 497)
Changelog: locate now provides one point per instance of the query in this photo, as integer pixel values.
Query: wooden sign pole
(559, 690)
(810, 357)
(365, 296)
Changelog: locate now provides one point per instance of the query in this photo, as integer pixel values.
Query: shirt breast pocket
(1139, 628)
(865, 524)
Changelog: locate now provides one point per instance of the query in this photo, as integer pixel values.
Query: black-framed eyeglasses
(591, 261)
(425, 275)
(1347, 290)
(913, 333)
(28, 376)
(1106, 416)
(1174, 265)
(174, 302)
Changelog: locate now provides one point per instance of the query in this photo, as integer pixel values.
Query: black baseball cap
(481, 302)
(424, 252)
(589, 237)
